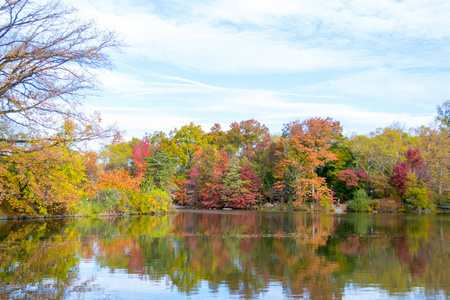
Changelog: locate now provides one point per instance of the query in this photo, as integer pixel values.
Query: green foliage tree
(160, 170)
(360, 202)
(332, 169)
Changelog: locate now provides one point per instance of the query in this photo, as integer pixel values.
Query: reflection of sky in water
(120, 285)
(367, 293)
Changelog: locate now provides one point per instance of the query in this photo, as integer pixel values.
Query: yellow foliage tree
(45, 57)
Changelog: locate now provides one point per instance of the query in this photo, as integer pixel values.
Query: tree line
(310, 162)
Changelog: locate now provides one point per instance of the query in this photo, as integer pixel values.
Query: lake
(228, 254)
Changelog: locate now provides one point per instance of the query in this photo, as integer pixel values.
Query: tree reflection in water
(38, 261)
(308, 255)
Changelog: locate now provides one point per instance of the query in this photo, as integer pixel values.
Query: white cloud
(137, 121)
(390, 86)
(264, 36)
(419, 18)
(200, 46)
(130, 86)
(206, 105)
(208, 49)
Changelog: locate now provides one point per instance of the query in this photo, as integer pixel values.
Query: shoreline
(5, 217)
(101, 215)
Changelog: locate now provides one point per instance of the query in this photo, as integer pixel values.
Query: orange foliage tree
(119, 179)
(303, 148)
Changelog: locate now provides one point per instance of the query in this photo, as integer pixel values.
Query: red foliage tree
(353, 177)
(414, 164)
(251, 184)
(187, 194)
(140, 151)
(399, 178)
(212, 193)
(417, 165)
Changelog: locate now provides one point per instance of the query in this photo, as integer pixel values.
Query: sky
(367, 64)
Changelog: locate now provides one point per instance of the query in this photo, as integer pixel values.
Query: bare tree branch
(45, 58)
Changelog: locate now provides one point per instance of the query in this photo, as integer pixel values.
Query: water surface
(222, 255)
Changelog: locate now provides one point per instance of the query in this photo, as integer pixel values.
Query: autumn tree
(119, 179)
(306, 148)
(158, 141)
(353, 177)
(251, 184)
(251, 139)
(413, 164)
(45, 182)
(248, 137)
(434, 144)
(212, 192)
(189, 183)
(241, 185)
(216, 136)
(184, 143)
(187, 192)
(141, 151)
(47, 58)
(147, 147)
(411, 180)
(377, 155)
(46, 55)
(117, 155)
(201, 176)
(92, 166)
